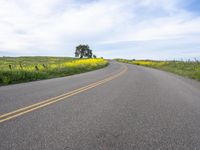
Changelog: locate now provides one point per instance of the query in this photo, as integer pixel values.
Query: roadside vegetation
(189, 69)
(23, 69)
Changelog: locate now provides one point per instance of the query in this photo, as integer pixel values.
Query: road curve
(142, 108)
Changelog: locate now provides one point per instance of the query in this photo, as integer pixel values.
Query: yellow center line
(47, 102)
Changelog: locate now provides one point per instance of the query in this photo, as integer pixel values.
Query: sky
(132, 29)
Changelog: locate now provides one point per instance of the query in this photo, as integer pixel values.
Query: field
(23, 69)
(190, 69)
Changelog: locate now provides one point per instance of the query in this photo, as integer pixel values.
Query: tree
(94, 56)
(83, 51)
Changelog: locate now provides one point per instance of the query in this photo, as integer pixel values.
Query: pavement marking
(30, 108)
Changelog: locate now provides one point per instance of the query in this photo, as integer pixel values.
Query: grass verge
(24, 69)
(190, 69)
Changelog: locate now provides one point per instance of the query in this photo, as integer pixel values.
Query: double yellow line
(30, 108)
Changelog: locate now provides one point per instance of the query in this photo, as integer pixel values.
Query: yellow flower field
(14, 70)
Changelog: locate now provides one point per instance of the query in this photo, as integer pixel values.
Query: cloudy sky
(141, 29)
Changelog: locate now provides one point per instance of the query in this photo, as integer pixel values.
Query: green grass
(190, 69)
(24, 69)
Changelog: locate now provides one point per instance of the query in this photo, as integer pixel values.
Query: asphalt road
(142, 108)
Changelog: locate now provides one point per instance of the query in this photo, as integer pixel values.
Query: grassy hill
(23, 69)
(189, 69)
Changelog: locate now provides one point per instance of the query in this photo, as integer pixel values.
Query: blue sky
(140, 29)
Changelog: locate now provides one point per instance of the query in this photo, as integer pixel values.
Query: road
(120, 107)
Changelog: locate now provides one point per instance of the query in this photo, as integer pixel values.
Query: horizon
(189, 59)
(145, 29)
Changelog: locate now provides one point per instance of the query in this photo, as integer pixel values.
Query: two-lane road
(120, 107)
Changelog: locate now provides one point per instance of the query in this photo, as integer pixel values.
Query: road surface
(120, 107)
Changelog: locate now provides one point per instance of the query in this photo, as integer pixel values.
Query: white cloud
(49, 27)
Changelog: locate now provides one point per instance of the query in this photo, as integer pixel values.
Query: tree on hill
(83, 51)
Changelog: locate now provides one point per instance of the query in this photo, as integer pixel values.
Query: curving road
(120, 107)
